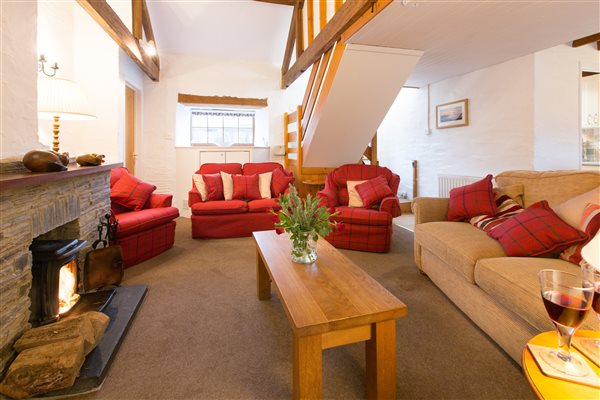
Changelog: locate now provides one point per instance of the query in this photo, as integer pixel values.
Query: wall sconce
(41, 67)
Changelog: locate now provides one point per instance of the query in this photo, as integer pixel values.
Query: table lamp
(61, 99)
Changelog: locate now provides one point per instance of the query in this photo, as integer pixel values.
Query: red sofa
(233, 218)
(366, 229)
(145, 233)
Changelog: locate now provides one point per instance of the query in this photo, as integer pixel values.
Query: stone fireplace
(31, 205)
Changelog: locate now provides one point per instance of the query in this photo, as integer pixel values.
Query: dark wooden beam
(108, 19)
(586, 40)
(148, 31)
(299, 28)
(281, 2)
(289, 47)
(221, 100)
(347, 14)
(136, 18)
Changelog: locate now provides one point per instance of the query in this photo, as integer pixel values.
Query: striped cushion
(472, 200)
(373, 190)
(245, 187)
(131, 192)
(506, 207)
(590, 224)
(536, 231)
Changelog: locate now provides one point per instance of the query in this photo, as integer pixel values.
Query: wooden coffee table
(546, 387)
(330, 303)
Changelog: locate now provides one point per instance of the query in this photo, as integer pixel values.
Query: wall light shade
(61, 98)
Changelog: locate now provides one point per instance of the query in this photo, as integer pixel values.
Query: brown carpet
(201, 333)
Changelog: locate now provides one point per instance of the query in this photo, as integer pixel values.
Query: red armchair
(366, 229)
(145, 233)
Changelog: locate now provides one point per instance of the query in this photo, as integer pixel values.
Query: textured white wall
(209, 77)
(557, 117)
(18, 126)
(499, 135)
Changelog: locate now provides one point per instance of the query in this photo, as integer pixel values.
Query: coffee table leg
(381, 361)
(263, 281)
(308, 367)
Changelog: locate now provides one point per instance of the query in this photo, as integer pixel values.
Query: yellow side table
(546, 387)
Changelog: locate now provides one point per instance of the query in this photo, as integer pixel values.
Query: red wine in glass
(596, 300)
(565, 309)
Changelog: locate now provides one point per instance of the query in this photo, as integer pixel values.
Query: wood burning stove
(51, 259)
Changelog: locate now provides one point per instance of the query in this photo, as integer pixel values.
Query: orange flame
(67, 287)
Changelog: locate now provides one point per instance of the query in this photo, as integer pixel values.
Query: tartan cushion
(590, 224)
(373, 190)
(506, 208)
(536, 231)
(131, 192)
(245, 187)
(471, 200)
(214, 186)
(280, 182)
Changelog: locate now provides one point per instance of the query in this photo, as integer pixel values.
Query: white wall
(557, 117)
(499, 135)
(18, 116)
(158, 161)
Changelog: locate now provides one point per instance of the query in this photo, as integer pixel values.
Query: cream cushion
(200, 186)
(571, 210)
(512, 282)
(354, 199)
(264, 184)
(459, 244)
(227, 185)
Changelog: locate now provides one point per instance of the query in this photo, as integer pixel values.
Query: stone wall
(28, 212)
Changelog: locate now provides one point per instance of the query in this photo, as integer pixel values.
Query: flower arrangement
(304, 220)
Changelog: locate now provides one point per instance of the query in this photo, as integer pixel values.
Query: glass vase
(304, 248)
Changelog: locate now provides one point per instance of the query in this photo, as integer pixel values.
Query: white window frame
(225, 112)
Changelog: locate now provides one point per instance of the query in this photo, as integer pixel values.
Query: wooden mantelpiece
(27, 179)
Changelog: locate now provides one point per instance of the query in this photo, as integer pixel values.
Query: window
(222, 127)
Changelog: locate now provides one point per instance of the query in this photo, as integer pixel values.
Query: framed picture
(450, 115)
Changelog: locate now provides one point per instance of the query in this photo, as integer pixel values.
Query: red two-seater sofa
(144, 233)
(235, 218)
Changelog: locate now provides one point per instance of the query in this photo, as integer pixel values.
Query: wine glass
(567, 301)
(592, 276)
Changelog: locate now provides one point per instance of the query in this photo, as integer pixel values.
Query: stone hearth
(32, 205)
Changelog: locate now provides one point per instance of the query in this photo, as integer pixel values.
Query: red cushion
(260, 168)
(590, 224)
(214, 187)
(215, 168)
(472, 200)
(280, 182)
(138, 221)
(362, 216)
(220, 207)
(131, 192)
(116, 174)
(263, 205)
(118, 209)
(373, 190)
(536, 231)
(245, 187)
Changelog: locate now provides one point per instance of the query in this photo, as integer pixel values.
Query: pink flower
(279, 231)
(276, 219)
(341, 226)
(331, 210)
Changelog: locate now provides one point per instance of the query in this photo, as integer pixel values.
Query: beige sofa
(499, 293)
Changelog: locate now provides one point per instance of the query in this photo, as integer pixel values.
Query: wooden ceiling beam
(586, 40)
(148, 31)
(136, 17)
(349, 12)
(281, 2)
(108, 19)
(193, 99)
(299, 28)
(289, 47)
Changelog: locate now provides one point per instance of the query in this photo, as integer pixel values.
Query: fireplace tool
(103, 266)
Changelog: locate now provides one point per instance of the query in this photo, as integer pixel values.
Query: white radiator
(448, 182)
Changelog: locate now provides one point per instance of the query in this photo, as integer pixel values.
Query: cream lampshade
(61, 99)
